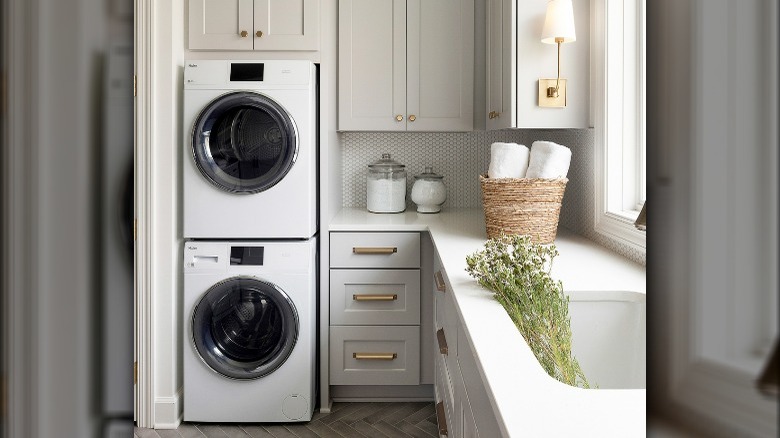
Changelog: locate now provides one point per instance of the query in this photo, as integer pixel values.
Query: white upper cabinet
(406, 65)
(254, 24)
(516, 59)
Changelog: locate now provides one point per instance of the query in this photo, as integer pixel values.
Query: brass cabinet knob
(399, 118)
(244, 34)
(493, 115)
(412, 118)
(259, 33)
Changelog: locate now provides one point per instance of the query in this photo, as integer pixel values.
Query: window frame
(618, 116)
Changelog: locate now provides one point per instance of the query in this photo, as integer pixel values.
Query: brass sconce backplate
(552, 102)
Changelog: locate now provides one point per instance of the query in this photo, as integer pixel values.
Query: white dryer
(250, 150)
(249, 325)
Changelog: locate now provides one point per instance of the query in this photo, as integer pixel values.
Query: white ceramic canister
(428, 191)
(386, 186)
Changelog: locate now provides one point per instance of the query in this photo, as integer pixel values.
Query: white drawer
(374, 250)
(374, 297)
(374, 355)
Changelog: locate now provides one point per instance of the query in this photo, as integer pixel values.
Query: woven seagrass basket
(522, 206)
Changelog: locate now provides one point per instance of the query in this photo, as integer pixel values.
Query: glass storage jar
(386, 186)
(428, 191)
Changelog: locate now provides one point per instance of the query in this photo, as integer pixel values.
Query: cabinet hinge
(135, 373)
(135, 85)
(135, 229)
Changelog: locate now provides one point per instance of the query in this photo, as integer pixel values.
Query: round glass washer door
(244, 327)
(244, 142)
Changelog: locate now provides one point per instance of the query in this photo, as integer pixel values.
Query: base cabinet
(465, 410)
(378, 309)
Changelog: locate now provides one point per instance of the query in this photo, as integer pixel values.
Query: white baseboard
(168, 412)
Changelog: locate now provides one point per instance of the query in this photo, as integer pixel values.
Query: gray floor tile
(388, 429)
(425, 411)
(212, 431)
(346, 430)
(381, 414)
(346, 420)
(343, 412)
(430, 428)
(234, 431)
(168, 433)
(301, 431)
(369, 430)
(323, 430)
(189, 430)
(361, 413)
(141, 432)
(414, 431)
(279, 431)
(256, 431)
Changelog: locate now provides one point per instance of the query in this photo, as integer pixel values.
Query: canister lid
(386, 164)
(429, 175)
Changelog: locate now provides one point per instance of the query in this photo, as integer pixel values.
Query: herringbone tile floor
(347, 420)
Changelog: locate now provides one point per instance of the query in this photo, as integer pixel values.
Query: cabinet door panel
(440, 65)
(217, 24)
(501, 66)
(372, 65)
(286, 24)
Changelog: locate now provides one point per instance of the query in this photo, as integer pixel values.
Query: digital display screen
(247, 255)
(246, 72)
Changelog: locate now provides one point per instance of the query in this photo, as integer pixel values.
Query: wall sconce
(558, 29)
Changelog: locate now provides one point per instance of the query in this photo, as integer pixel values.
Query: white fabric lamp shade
(559, 22)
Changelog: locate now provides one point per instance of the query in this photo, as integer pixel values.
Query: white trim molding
(168, 411)
(144, 260)
(613, 217)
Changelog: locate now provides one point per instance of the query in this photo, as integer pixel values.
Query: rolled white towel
(548, 160)
(508, 160)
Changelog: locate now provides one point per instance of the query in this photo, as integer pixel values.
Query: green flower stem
(518, 271)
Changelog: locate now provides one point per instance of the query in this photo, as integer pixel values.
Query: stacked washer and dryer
(250, 251)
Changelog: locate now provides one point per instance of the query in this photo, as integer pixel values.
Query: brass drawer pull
(442, 341)
(441, 419)
(368, 297)
(441, 286)
(374, 356)
(375, 250)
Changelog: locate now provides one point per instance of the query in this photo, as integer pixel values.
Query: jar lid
(429, 175)
(386, 164)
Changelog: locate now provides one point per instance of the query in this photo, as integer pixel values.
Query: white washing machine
(250, 152)
(249, 326)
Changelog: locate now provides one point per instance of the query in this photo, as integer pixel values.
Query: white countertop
(582, 265)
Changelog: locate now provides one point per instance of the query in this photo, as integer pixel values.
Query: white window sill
(620, 226)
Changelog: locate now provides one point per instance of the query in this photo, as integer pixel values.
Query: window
(619, 117)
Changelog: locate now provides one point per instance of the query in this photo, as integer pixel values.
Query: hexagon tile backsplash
(462, 156)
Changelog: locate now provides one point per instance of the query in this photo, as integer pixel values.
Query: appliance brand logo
(192, 65)
(192, 248)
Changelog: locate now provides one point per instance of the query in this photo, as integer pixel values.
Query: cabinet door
(286, 24)
(501, 65)
(220, 24)
(372, 65)
(440, 65)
